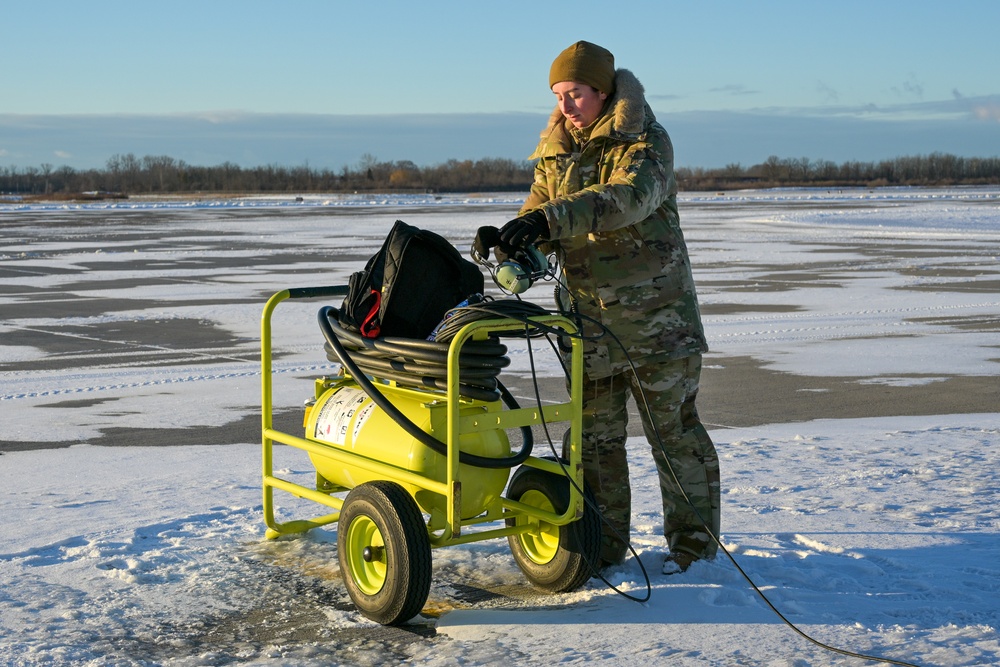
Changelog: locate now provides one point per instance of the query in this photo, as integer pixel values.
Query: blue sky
(324, 83)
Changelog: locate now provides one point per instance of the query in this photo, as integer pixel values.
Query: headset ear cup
(512, 277)
(520, 271)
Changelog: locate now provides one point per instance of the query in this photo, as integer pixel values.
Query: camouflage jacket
(610, 197)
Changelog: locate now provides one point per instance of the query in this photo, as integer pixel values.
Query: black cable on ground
(673, 476)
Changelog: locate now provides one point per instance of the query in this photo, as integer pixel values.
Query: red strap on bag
(370, 328)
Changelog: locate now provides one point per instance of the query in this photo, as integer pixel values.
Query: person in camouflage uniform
(604, 199)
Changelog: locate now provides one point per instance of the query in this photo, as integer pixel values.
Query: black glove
(486, 238)
(521, 232)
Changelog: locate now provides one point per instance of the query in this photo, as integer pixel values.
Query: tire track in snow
(181, 379)
(129, 344)
(833, 326)
(853, 314)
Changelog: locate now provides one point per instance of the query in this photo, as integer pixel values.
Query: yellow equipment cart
(395, 498)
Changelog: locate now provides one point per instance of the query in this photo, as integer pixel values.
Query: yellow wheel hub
(542, 544)
(366, 555)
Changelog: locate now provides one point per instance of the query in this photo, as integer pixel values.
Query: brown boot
(677, 562)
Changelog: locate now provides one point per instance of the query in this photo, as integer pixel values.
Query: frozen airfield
(852, 390)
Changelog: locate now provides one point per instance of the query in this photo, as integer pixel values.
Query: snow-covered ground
(877, 536)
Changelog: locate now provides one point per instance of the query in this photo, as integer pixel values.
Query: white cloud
(218, 117)
(987, 111)
(734, 89)
(663, 98)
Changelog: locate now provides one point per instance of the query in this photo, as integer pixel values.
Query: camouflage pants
(669, 389)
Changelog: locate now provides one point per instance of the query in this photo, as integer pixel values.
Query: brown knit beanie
(585, 63)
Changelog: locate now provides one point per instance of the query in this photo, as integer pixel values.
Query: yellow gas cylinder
(345, 417)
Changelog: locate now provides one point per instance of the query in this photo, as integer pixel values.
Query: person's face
(578, 102)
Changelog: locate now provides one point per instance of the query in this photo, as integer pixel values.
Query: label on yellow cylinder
(333, 422)
(346, 418)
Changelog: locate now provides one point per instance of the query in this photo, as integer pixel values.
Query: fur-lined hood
(626, 117)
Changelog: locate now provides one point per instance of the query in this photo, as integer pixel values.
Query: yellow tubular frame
(451, 487)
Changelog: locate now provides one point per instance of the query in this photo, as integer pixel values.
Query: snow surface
(872, 535)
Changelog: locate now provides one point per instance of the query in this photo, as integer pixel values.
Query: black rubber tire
(573, 562)
(391, 585)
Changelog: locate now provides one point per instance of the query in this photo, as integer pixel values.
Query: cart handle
(315, 292)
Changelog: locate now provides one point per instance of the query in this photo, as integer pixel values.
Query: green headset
(520, 271)
(517, 271)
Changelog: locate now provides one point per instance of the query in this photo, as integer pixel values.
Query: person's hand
(521, 232)
(487, 237)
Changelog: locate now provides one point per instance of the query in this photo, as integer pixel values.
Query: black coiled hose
(505, 309)
(423, 363)
(428, 358)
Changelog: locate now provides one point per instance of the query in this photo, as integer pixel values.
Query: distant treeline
(933, 169)
(125, 175)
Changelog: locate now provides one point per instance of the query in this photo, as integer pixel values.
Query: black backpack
(408, 285)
